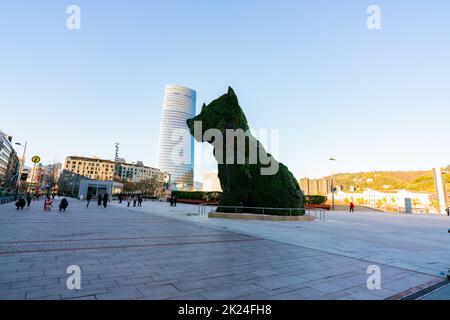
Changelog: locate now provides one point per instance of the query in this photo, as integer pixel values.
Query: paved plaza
(159, 252)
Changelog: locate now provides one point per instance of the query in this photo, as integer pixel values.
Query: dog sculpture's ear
(231, 92)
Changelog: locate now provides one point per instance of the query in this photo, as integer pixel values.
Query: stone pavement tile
(315, 275)
(363, 293)
(100, 286)
(293, 280)
(191, 284)
(132, 281)
(339, 295)
(84, 298)
(326, 287)
(400, 285)
(40, 293)
(263, 273)
(255, 296)
(20, 295)
(111, 276)
(69, 294)
(129, 265)
(383, 293)
(17, 276)
(35, 282)
(24, 288)
(241, 277)
(17, 267)
(188, 285)
(158, 292)
(305, 293)
(231, 292)
(5, 285)
(51, 297)
(120, 293)
(401, 275)
(190, 295)
(170, 276)
(271, 283)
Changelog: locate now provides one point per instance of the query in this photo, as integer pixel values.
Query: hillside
(421, 181)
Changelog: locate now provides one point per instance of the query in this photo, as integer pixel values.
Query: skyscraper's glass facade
(176, 145)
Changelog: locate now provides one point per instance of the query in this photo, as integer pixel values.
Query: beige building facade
(93, 168)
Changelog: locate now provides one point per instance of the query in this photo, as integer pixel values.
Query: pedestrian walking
(120, 198)
(175, 199)
(105, 200)
(99, 199)
(140, 200)
(352, 207)
(448, 211)
(134, 201)
(171, 201)
(63, 204)
(129, 201)
(28, 198)
(88, 199)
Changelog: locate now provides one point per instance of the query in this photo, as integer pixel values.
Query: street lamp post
(116, 160)
(332, 186)
(22, 164)
(448, 272)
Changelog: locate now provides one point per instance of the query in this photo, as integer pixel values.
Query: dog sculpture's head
(221, 114)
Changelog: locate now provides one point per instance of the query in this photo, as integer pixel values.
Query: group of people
(101, 199)
(48, 202)
(136, 199)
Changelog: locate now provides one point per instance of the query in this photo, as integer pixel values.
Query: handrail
(7, 199)
(202, 206)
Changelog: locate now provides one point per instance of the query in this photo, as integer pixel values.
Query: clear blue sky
(375, 100)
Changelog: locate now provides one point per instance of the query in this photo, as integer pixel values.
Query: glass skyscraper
(176, 145)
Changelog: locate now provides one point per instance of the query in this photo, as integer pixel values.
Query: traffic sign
(36, 159)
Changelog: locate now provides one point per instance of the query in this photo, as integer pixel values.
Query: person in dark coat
(63, 204)
(140, 201)
(88, 199)
(20, 204)
(120, 198)
(99, 199)
(105, 200)
(29, 198)
(175, 201)
(134, 201)
(171, 201)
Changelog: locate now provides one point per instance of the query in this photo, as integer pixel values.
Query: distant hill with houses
(386, 181)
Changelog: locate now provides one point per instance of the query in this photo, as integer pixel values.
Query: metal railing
(7, 199)
(202, 208)
(206, 208)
